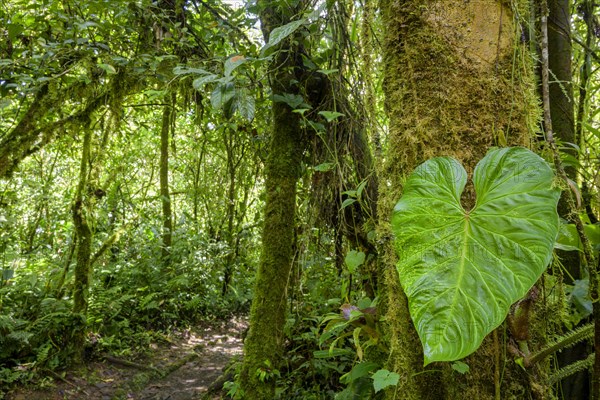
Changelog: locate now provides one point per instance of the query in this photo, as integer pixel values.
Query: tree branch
(218, 16)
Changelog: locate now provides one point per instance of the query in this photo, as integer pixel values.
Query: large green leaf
(462, 269)
(282, 32)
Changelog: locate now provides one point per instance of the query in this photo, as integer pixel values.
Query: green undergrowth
(133, 302)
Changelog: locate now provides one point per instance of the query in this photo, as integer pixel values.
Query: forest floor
(190, 362)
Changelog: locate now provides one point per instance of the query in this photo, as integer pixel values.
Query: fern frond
(572, 369)
(562, 342)
(20, 337)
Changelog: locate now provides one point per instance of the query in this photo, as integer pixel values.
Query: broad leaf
(110, 70)
(462, 269)
(330, 115)
(358, 371)
(460, 367)
(232, 63)
(222, 95)
(568, 238)
(384, 378)
(282, 32)
(243, 103)
(354, 259)
(325, 167)
(332, 353)
(198, 83)
(292, 100)
(184, 70)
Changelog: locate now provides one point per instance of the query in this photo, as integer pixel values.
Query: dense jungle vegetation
(401, 197)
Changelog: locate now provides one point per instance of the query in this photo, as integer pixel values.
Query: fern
(42, 353)
(565, 341)
(20, 337)
(572, 369)
(6, 323)
(52, 305)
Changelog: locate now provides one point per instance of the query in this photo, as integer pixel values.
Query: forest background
(168, 162)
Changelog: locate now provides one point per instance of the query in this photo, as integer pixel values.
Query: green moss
(447, 95)
(264, 342)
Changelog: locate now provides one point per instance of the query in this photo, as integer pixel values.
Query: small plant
(233, 390)
(356, 322)
(267, 372)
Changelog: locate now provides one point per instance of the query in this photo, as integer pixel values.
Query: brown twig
(65, 380)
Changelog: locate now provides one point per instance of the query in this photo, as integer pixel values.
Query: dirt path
(198, 358)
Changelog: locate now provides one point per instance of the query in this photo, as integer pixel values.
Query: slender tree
(563, 120)
(84, 236)
(165, 196)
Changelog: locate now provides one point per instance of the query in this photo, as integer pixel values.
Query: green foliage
(35, 337)
(281, 32)
(354, 259)
(384, 378)
(460, 367)
(462, 268)
(568, 238)
(112, 70)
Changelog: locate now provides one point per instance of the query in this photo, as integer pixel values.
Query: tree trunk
(264, 343)
(456, 81)
(563, 122)
(84, 246)
(232, 164)
(561, 101)
(167, 122)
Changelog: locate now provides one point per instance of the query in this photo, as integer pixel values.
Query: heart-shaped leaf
(384, 378)
(354, 259)
(462, 269)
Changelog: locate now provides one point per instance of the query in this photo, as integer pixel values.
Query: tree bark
(563, 121)
(450, 91)
(264, 344)
(165, 197)
(84, 233)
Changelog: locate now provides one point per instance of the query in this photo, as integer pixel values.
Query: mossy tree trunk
(230, 210)
(165, 197)
(457, 81)
(264, 343)
(84, 235)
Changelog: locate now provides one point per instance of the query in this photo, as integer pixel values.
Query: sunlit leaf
(330, 115)
(384, 378)
(462, 269)
(108, 68)
(354, 259)
(232, 63)
(282, 32)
